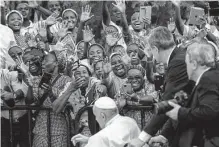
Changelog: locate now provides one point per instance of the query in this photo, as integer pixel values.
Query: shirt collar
(112, 119)
(168, 59)
(197, 82)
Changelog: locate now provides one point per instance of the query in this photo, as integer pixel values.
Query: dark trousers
(20, 132)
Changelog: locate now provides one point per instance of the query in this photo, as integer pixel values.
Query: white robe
(118, 131)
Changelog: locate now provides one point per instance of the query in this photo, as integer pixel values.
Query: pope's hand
(79, 138)
(136, 143)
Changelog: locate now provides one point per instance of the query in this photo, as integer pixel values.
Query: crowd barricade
(30, 122)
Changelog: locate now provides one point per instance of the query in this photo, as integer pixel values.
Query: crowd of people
(56, 60)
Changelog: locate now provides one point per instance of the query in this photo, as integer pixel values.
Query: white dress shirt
(117, 132)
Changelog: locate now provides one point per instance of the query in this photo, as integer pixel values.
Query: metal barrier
(29, 109)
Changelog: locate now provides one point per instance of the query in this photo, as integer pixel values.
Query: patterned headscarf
(140, 68)
(61, 59)
(76, 14)
(14, 11)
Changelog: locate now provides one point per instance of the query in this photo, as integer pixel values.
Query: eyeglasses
(138, 78)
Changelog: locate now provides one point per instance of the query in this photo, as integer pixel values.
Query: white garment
(6, 36)
(117, 132)
(32, 28)
(11, 79)
(121, 41)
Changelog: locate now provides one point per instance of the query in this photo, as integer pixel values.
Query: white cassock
(117, 132)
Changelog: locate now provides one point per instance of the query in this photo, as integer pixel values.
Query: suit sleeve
(176, 80)
(207, 109)
(168, 130)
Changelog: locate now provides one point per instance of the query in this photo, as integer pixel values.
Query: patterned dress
(149, 90)
(58, 121)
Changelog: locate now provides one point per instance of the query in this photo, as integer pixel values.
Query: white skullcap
(105, 103)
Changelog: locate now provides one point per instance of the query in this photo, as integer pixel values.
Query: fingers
(45, 86)
(172, 104)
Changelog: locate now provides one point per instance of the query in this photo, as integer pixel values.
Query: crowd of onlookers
(51, 57)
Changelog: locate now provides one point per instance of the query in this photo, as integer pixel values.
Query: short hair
(203, 53)
(162, 38)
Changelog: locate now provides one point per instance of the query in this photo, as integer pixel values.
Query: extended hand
(173, 114)
(88, 34)
(136, 143)
(79, 138)
(85, 15)
(157, 141)
(120, 5)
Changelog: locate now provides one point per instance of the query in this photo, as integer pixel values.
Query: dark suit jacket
(175, 79)
(201, 117)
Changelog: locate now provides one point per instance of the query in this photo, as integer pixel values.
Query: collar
(111, 120)
(168, 59)
(197, 82)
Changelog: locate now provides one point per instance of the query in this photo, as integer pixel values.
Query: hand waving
(87, 34)
(106, 67)
(32, 4)
(63, 29)
(85, 15)
(120, 5)
(171, 25)
(42, 29)
(52, 19)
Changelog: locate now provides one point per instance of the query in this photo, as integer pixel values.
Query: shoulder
(210, 78)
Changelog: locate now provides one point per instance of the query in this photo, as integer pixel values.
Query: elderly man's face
(136, 79)
(118, 66)
(100, 117)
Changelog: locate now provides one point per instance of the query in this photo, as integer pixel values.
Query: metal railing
(30, 122)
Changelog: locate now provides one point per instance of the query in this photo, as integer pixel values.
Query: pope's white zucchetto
(105, 103)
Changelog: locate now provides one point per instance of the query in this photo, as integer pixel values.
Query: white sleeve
(186, 30)
(97, 141)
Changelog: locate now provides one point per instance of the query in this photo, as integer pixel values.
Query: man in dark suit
(164, 51)
(197, 124)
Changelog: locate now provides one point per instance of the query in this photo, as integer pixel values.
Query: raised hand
(62, 31)
(52, 19)
(87, 34)
(85, 15)
(106, 67)
(33, 4)
(171, 25)
(42, 29)
(120, 5)
(146, 21)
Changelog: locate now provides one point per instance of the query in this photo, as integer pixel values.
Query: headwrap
(140, 68)
(71, 11)
(96, 44)
(14, 11)
(61, 59)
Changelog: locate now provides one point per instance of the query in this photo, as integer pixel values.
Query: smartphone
(195, 15)
(142, 13)
(158, 82)
(45, 79)
(148, 12)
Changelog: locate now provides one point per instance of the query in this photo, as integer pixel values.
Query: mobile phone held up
(196, 14)
(45, 79)
(145, 12)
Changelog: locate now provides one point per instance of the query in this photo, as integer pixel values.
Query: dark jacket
(200, 119)
(175, 79)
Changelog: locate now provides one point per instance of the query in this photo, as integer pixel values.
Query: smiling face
(15, 22)
(95, 53)
(80, 50)
(82, 72)
(34, 63)
(118, 66)
(99, 69)
(71, 19)
(54, 6)
(136, 79)
(132, 52)
(135, 21)
(15, 52)
(24, 10)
